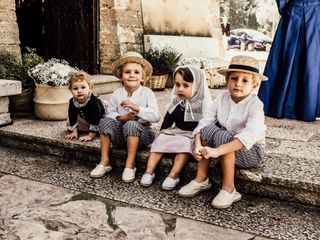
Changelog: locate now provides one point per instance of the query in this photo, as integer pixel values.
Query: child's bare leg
(132, 145)
(153, 160)
(228, 168)
(202, 172)
(105, 149)
(179, 162)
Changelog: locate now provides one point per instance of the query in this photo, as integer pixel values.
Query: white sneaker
(128, 174)
(147, 179)
(100, 170)
(224, 199)
(170, 183)
(193, 188)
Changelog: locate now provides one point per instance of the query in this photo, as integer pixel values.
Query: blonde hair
(255, 77)
(79, 77)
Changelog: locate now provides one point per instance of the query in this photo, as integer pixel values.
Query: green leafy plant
(12, 67)
(163, 61)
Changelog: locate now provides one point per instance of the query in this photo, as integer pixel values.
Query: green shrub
(163, 61)
(14, 68)
(9, 65)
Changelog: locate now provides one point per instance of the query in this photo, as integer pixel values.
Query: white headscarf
(198, 106)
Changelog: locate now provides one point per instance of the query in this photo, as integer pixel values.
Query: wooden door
(63, 29)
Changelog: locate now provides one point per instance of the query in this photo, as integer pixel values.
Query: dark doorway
(29, 17)
(62, 29)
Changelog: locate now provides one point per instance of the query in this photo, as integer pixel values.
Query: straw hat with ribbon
(131, 57)
(243, 64)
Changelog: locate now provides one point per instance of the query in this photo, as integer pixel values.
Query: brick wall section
(121, 30)
(9, 31)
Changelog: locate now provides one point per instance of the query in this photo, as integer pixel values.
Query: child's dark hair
(185, 73)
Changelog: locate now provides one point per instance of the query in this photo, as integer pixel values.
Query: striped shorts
(215, 136)
(118, 132)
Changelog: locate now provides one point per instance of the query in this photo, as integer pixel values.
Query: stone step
(103, 84)
(288, 174)
(7, 88)
(258, 218)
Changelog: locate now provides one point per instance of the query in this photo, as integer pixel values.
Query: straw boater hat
(131, 57)
(243, 64)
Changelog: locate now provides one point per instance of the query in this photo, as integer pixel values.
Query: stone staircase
(37, 150)
(290, 172)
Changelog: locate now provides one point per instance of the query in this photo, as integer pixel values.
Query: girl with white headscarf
(189, 103)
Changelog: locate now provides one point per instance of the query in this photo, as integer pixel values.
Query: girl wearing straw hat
(233, 134)
(131, 110)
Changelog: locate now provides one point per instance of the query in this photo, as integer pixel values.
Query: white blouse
(143, 96)
(245, 118)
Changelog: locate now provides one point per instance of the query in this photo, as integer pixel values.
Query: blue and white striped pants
(215, 136)
(118, 132)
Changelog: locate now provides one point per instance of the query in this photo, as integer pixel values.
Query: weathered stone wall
(121, 30)
(123, 23)
(9, 32)
(180, 17)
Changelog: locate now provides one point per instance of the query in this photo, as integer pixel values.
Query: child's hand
(127, 117)
(85, 138)
(131, 105)
(72, 135)
(208, 152)
(88, 137)
(197, 152)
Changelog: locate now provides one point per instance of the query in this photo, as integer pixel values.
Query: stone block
(103, 84)
(5, 119)
(9, 87)
(4, 104)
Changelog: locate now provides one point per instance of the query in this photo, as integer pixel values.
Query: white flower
(54, 72)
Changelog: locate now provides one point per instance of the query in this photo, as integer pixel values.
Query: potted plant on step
(14, 67)
(164, 61)
(52, 94)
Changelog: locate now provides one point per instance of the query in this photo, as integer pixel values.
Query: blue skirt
(293, 67)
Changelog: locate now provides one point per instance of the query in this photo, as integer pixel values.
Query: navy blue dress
(293, 66)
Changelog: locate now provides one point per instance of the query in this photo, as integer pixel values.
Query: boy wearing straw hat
(131, 110)
(234, 134)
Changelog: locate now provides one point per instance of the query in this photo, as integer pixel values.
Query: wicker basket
(156, 83)
(51, 103)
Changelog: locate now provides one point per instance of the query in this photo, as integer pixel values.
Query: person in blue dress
(293, 65)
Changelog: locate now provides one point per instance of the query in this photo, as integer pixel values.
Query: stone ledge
(5, 119)
(103, 84)
(281, 176)
(4, 105)
(9, 87)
